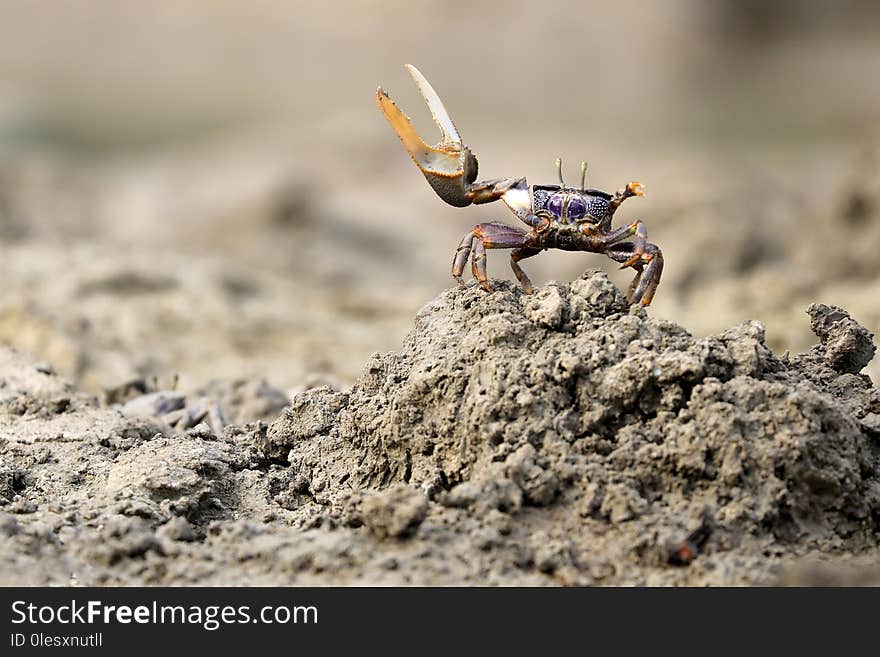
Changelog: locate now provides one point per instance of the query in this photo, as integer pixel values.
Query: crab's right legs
(515, 257)
(493, 236)
(461, 256)
(478, 265)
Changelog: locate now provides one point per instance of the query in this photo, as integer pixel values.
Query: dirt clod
(849, 347)
(394, 512)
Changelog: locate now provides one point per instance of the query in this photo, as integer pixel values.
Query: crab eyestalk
(559, 171)
(583, 176)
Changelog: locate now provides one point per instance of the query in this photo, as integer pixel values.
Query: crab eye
(576, 208)
(555, 205)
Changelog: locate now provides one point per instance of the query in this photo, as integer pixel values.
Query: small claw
(635, 188)
(637, 228)
(633, 260)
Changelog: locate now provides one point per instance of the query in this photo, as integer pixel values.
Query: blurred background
(207, 187)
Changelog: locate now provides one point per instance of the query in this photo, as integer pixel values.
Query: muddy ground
(561, 438)
(205, 197)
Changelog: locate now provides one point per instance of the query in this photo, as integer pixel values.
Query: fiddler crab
(558, 216)
(145, 398)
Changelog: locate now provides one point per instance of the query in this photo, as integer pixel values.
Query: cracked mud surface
(545, 440)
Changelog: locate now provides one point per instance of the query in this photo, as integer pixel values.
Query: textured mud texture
(555, 439)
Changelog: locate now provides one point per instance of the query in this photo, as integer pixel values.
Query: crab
(557, 216)
(145, 398)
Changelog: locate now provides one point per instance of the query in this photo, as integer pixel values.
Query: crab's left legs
(636, 229)
(621, 253)
(599, 242)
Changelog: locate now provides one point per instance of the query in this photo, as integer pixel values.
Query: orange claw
(442, 159)
(449, 165)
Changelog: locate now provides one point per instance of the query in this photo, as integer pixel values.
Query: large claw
(448, 166)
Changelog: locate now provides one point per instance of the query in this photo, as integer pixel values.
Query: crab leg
(493, 236)
(640, 234)
(515, 257)
(636, 228)
(462, 254)
(644, 291)
(648, 268)
(478, 265)
(630, 292)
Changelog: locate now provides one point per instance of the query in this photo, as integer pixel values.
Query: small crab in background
(145, 398)
(558, 216)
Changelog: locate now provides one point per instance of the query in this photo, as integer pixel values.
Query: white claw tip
(438, 111)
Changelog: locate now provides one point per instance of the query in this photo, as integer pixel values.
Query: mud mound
(555, 439)
(646, 445)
